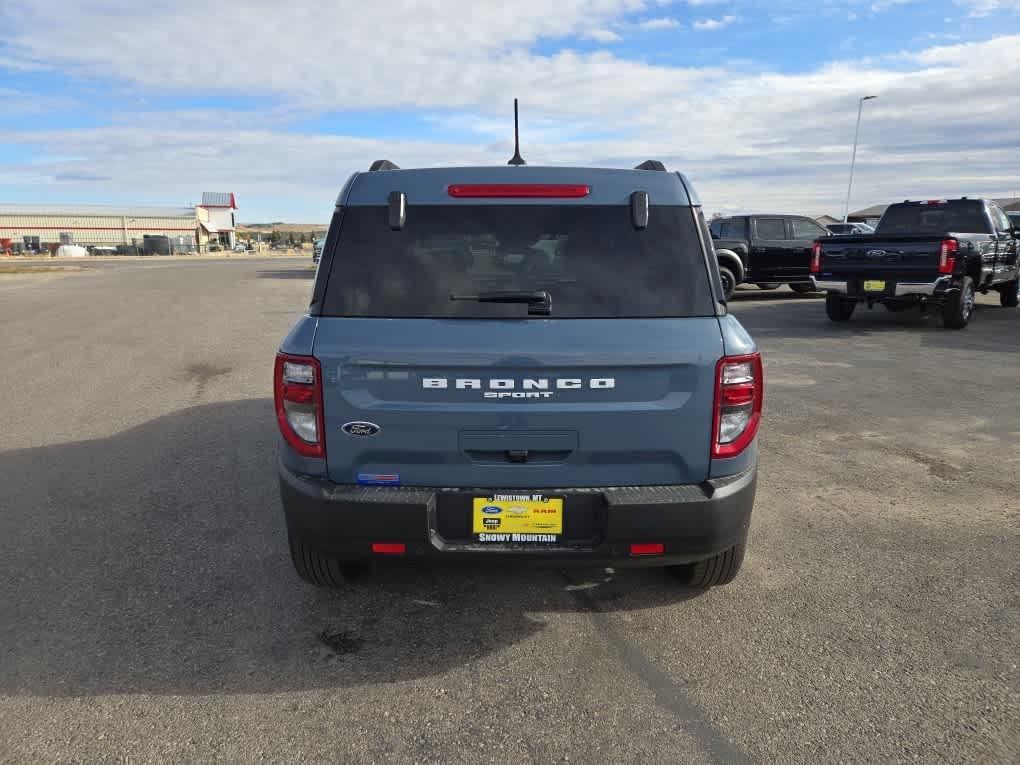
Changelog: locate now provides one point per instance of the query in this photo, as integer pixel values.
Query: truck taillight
(947, 256)
(739, 395)
(816, 258)
(297, 390)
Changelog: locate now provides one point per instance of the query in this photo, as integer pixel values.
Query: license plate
(517, 519)
(874, 286)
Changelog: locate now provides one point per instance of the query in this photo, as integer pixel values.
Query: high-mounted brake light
(297, 391)
(816, 258)
(947, 255)
(518, 190)
(739, 395)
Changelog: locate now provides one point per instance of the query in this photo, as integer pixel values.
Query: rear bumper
(693, 522)
(854, 287)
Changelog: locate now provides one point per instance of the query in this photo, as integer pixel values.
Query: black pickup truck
(937, 252)
(767, 250)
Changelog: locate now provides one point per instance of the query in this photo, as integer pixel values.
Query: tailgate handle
(518, 446)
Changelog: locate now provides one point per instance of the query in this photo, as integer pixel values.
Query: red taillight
(297, 390)
(947, 256)
(739, 395)
(389, 548)
(647, 548)
(816, 258)
(518, 190)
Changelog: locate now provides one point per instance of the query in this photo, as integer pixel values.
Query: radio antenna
(516, 159)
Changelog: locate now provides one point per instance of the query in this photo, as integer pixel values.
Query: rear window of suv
(589, 258)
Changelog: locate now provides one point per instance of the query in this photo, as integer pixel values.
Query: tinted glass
(1014, 218)
(590, 260)
(734, 228)
(807, 229)
(963, 217)
(999, 219)
(770, 228)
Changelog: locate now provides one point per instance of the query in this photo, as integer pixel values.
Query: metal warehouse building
(34, 228)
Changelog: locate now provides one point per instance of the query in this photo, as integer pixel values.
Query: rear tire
(320, 568)
(959, 306)
(715, 571)
(729, 281)
(802, 289)
(839, 308)
(1009, 294)
(767, 285)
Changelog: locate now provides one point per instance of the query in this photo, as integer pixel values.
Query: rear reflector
(389, 548)
(518, 190)
(647, 548)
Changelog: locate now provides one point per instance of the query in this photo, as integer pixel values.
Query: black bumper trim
(693, 521)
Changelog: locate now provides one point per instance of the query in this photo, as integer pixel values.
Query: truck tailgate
(896, 257)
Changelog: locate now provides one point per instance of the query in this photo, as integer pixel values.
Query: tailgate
(518, 404)
(905, 257)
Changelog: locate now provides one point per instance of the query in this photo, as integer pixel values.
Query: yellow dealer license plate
(872, 285)
(518, 518)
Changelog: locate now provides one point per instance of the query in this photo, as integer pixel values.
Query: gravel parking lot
(148, 610)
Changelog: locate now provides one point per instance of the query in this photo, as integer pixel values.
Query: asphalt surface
(149, 612)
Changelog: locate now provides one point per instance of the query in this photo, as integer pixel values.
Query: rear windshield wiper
(539, 302)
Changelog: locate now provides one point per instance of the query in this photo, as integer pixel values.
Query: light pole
(853, 157)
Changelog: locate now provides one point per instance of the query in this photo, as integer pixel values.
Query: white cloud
(602, 35)
(988, 7)
(659, 23)
(713, 24)
(945, 115)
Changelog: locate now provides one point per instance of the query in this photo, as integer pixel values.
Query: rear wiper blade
(539, 302)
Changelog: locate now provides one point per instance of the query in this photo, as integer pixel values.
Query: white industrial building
(28, 228)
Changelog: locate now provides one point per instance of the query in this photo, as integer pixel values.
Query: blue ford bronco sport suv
(505, 364)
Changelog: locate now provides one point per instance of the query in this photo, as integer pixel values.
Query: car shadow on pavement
(155, 561)
(992, 328)
(296, 272)
(779, 294)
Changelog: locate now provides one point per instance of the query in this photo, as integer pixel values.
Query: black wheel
(839, 308)
(1009, 294)
(729, 281)
(718, 570)
(321, 568)
(959, 306)
(802, 289)
(767, 285)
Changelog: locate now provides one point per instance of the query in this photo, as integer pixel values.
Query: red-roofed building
(216, 221)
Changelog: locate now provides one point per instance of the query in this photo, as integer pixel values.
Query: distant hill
(283, 228)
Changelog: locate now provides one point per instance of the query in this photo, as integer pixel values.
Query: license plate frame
(517, 518)
(874, 285)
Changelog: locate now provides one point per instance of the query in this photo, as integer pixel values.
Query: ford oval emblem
(875, 254)
(360, 428)
(492, 509)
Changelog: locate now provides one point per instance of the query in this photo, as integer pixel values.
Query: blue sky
(153, 103)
